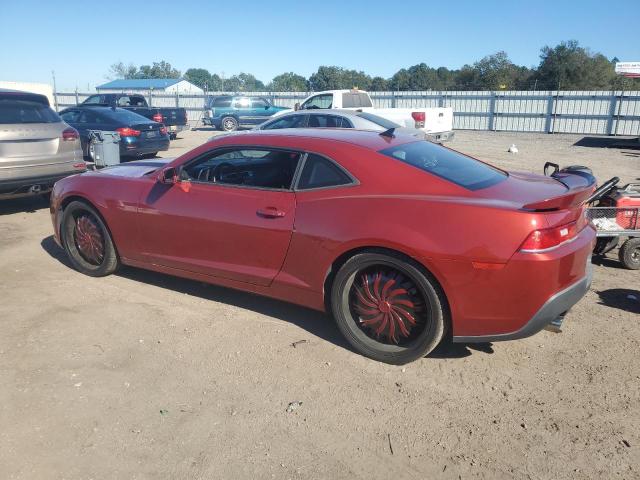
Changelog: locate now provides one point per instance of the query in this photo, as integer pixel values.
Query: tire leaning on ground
(389, 308)
(229, 124)
(629, 254)
(87, 241)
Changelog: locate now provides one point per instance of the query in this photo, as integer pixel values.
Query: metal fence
(581, 112)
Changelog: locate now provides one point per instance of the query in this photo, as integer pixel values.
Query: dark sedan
(139, 136)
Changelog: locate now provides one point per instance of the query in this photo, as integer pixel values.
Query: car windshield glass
(448, 164)
(383, 122)
(124, 116)
(21, 111)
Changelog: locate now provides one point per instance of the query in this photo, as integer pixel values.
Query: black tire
(422, 291)
(229, 124)
(93, 261)
(173, 136)
(629, 254)
(149, 155)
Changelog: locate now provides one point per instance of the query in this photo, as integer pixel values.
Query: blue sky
(81, 39)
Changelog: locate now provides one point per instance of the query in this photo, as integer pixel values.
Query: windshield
(21, 111)
(448, 164)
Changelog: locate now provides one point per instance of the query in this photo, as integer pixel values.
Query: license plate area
(152, 134)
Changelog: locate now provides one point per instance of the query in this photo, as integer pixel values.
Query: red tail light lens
(549, 238)
(70, 134)
(163, 130)
(128, 132)
(158, 117)
(419, 118)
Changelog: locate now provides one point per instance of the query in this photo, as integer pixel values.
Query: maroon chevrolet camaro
(405, 242)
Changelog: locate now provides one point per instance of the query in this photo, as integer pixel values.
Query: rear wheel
(229, 124)
(388, 308)
(629, 254)
(87, 241)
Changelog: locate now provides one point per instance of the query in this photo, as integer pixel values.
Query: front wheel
(629, 254)
(388, 308)
(229, 124)
(87, 241)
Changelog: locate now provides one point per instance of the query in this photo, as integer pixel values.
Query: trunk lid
(540, 193)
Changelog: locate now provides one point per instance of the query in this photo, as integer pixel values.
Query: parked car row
(229, 113)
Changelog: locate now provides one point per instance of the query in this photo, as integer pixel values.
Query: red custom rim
(89, 239)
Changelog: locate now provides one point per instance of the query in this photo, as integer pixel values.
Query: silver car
(336, 119)
(36, 147)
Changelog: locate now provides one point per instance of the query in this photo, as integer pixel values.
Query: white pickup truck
(437, 123)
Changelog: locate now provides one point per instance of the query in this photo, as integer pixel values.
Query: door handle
(271, 212)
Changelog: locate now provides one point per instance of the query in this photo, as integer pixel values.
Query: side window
(124, 102)
(259, 103)
(319, 101)
(289, 121)
(222, 102)
(263, 168)
(72, 116)
(136, 101)
(88, 116)
(242, 102)
(93, 100)
(320, 172)
(325, 121)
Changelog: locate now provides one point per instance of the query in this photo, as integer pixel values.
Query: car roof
(26, 96)
(362, 138)
(324, 111)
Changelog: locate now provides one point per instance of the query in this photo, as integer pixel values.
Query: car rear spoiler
(577, 179)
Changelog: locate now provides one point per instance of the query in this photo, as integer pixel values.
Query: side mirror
(296, 107)
(266, 107)
(169, 176)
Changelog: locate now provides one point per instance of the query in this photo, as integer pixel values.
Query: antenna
(388, 133)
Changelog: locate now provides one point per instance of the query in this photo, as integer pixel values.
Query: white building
(143, 85)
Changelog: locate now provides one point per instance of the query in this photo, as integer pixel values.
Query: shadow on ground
(609, 142)
(621, 298)
(316, 323)
(24, 204)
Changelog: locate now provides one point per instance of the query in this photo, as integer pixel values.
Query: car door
(230, 215)
(259, 110)
(242, 108)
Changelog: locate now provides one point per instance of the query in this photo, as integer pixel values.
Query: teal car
(229, 112)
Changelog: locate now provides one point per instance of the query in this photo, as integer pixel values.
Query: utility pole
(55, 90)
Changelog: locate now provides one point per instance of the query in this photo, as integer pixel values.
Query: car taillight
(548, 238)
(70, 134)
(128, 132)
(419, 118)
(158, 117)
(163, 130)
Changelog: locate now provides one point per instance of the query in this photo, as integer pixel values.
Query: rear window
(125, 116)
(222, 102)
(383, 122)
(356, 100)
(453, 166)
(20, 111)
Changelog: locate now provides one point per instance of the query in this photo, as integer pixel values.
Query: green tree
(200, 77)
(331, 77)
(379, 84)
(120, 70)
(288, 82)
(422, 77)
(493, 72)
(568, 66)
(243, 82)
(160, 69)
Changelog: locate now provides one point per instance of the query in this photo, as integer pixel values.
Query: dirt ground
(145, 376)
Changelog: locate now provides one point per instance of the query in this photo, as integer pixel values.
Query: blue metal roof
(141, 83)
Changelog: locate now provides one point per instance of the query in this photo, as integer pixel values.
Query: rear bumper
(552, 310)
(134, 148)
(440, 136)
(36, 185)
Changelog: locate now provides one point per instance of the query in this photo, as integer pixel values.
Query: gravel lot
(145, 376)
